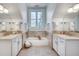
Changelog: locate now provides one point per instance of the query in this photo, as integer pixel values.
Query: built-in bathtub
(36, 42)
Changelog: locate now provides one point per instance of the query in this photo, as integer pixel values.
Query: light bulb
(76, 6)
(70, 10)
(5, 11)
(3, 23)
(1, 7)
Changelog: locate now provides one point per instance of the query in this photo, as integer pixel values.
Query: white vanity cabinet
(61, 46)
(19, 43)
(10, 45)
(55, 43)
(15, 46)
(66, 45)
(5, 48)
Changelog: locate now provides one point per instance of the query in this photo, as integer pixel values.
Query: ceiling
(18, 10)
(61, 10)
(13, 9)
(36, 4)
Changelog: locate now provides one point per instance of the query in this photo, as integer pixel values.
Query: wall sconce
(21, 22)
(3, 23)
(16, 23)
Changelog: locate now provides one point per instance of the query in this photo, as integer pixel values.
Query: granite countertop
(9, 36)
(66, 36)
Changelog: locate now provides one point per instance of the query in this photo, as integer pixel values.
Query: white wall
(69, 24)
(77, 22)
(23, 10)
(49, 27)
(50, 12)
(10, 27)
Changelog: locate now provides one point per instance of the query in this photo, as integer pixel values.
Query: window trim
(44, 17)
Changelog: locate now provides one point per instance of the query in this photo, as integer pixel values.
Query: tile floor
(39, 48)
(38, 51)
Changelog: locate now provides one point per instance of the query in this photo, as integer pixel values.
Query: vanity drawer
(61, 46)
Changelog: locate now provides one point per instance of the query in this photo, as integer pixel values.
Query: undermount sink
(67, 33)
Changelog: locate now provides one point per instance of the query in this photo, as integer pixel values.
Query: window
(36, 18)
(33, 19)
(39, 19)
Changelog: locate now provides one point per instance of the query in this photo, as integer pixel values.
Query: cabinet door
(5, 48)
(55, 43)
(20, 43)
(61, 46)
(15, 46)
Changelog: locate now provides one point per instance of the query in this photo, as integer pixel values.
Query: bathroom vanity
(66, 45)
(10, 45)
